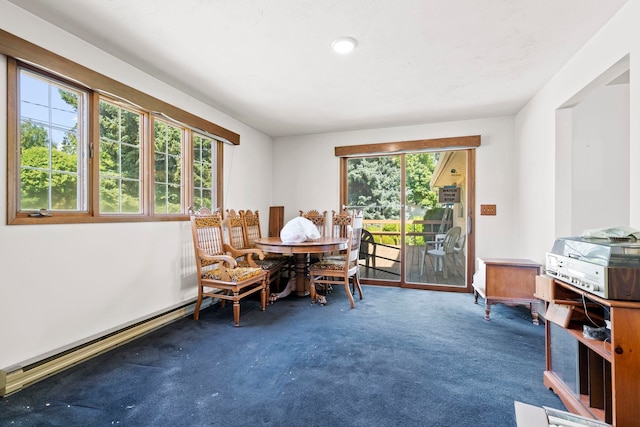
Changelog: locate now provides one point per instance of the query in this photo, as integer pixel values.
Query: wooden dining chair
(253, 231)
(328, 272)
(341, 222)
(318, 219)
(219, 275)
(238, 238)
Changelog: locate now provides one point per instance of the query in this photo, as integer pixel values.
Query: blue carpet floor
(402, 357)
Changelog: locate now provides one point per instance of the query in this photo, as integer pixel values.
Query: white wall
(306, 173)
(542, 162)
(62, 284)
(600, 160)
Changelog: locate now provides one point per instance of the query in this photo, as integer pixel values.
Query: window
(203, 167)
(120, 159)
(83, 156)
(167, 158)
(52, 148)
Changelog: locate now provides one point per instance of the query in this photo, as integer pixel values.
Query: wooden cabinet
(507, 281)
(596, 378)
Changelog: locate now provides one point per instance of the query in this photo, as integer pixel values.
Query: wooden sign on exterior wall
(448, 195)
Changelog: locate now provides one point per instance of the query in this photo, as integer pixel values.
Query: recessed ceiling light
(344, 44)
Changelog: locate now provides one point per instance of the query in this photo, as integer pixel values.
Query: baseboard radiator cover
(18, 377)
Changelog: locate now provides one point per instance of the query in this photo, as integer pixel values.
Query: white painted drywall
(63, 284)
(541, 161)
(306, 173)
(600, 160)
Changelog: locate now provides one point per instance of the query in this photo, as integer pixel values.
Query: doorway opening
(417, 216)
(593, 167)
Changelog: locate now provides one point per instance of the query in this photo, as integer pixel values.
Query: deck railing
(418, 231)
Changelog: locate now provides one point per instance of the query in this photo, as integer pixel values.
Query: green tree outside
(119, 160)
(374, 185)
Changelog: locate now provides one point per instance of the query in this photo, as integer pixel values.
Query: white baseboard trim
(17, 377)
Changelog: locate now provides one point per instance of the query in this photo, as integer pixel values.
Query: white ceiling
(268, 63)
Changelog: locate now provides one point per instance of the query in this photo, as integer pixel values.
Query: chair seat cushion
(237, 274)
(330, 264)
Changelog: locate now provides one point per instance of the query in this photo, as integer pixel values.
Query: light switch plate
(487, 209)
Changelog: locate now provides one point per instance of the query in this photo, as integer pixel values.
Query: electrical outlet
(487, 209)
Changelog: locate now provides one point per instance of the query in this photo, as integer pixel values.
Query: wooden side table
(507, 281)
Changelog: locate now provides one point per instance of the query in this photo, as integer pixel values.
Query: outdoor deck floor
(387, 267)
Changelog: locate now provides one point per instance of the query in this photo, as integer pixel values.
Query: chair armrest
(257, 252)
(226, 259)
(248, 253)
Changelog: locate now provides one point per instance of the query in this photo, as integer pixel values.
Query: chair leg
(196, 311)
(263, 294)
(316, 296)
(434, 263)
(312, 290)
(223, 301)
(356, 284)
(444, 267)
(348, 291)
(236, 310)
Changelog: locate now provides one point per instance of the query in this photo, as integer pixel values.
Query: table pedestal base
(300, 282)
(302, 274)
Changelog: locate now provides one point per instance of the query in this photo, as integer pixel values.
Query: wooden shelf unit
(607, 373)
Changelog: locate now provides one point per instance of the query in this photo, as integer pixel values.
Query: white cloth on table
(298, 230)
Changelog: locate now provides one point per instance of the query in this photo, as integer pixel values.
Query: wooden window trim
(459, 142)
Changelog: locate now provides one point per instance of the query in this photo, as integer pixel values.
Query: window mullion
(147, 165)
(94, 163)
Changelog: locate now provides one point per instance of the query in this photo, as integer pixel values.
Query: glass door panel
(434, 205)
(374, 186)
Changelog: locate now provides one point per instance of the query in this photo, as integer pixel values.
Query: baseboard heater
(16, 378)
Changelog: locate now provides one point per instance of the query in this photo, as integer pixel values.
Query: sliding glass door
(414, 217)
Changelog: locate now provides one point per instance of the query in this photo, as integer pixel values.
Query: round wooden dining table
(301, 252)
